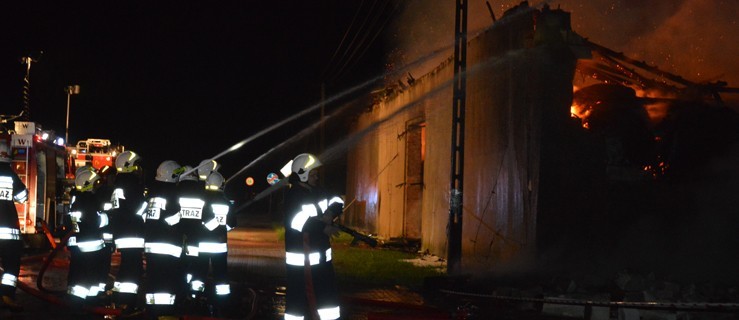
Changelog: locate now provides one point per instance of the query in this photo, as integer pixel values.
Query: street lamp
(70, 90)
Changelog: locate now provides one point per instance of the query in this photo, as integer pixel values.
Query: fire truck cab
(95, 152)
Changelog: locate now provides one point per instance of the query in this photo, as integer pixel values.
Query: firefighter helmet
(168, 171)
(4, 152)
(303, 164)
(84, 168)
(215, 181)
(190, 176)
(127, 161)
(85, 180)
(206, 167)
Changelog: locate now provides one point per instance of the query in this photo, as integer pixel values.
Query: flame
(656, 111)
(580, 111)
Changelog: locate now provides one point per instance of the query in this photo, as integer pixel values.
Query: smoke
(699, 41)
(696, 39)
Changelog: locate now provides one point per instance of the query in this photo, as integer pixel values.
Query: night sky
(185, 80)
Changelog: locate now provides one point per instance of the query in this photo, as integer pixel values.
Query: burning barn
(602, 176)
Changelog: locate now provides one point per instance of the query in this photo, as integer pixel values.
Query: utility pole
(454, 228)
(27, 87)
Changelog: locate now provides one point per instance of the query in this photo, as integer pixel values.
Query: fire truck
(39, 160)
(95, 152)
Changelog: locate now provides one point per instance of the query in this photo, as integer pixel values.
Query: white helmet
(190, 176)
(303, 164)
(85, 180)
(127, 161)
(168, 171)
(206, 167)
(215, 181)
(84, 168)
(4, 152)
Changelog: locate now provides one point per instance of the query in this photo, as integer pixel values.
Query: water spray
(314, 107)
(334, 150)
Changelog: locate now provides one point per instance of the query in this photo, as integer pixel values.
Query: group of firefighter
(177, 227)
(172, 238)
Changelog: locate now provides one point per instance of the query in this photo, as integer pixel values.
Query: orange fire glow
(580, 111)
(656, 111)
(657, 170)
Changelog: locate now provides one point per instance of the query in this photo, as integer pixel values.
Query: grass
(377, 266)
(360, 265)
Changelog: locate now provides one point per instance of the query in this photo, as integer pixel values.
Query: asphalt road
(255, 259)
(256, 269)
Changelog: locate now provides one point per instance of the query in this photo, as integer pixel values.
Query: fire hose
(650, 305)
(50, 257)
(47, 294)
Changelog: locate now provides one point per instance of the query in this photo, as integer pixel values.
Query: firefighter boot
(10, 303)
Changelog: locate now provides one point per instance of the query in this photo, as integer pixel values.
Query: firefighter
(191, 197)
(213, 247)
(311, 287)
(71, 227)
(88, 221)
(163, 246)
(12, 190)
(128, 206)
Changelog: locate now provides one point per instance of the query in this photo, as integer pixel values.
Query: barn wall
(515, 84)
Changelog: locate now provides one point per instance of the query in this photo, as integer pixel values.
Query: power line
(367, 27)
(352, 46)
(346, 33)
(377, 33)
